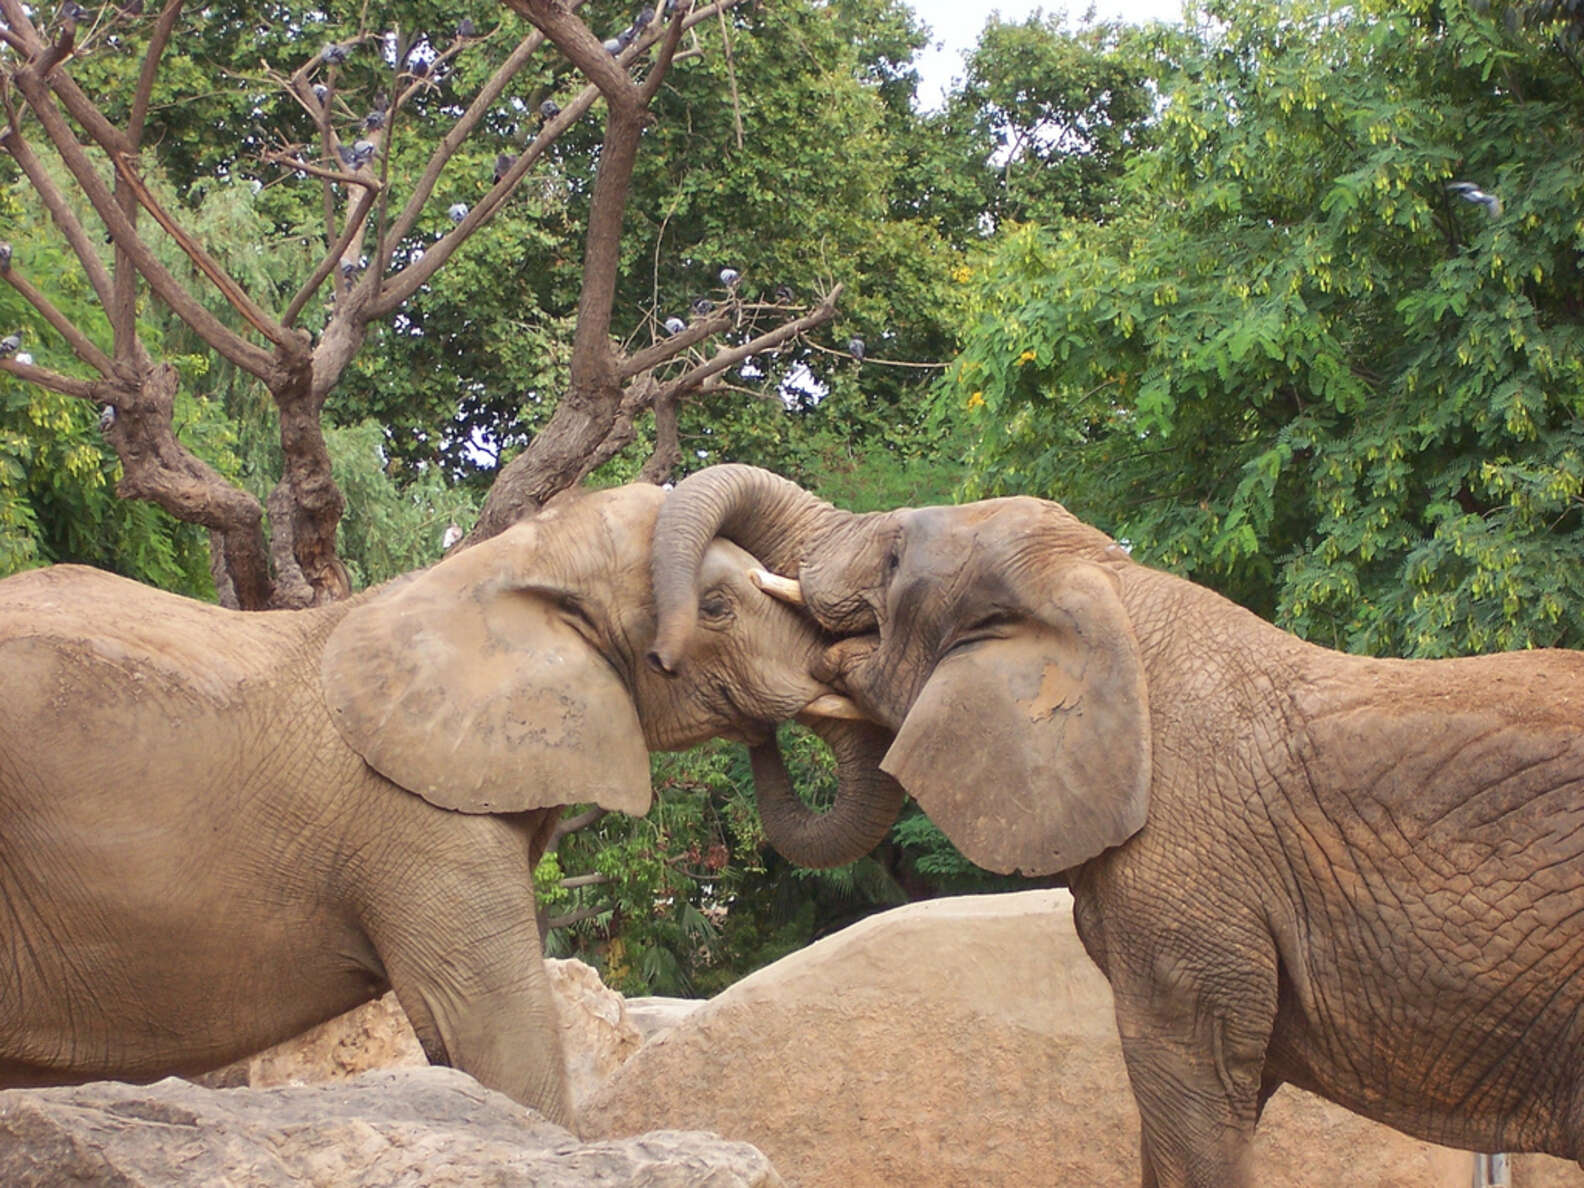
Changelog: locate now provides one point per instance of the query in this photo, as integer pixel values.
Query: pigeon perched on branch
(729, 277)
(503, 164)
(457, 211)
(10, 344)
(466, 28)
(785, 294)
(703, 306)
(453, 533)
(333, 54)
(855, 348)
(107, 418)
(5, 257)
(675, 325)
(549, 109)
(1469, 192)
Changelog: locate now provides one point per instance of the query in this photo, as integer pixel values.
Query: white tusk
(833, 705)
(786, 589)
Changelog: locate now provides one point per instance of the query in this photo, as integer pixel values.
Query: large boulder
(961, 1041)
(431, 1126)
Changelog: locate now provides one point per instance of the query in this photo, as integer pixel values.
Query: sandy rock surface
(426, 1126)
(963, 1041)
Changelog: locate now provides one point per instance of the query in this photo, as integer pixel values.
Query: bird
(855, 348)
(675, 325)
(466, 28)
(645, 15)
(457, 211)
(729, 277)
(320, 91)
(549, 109)
(107, 418)
(503, 164)
(5, 257)
(613, 46)
(374, 120)
(9, 344)
(73, 11)
(453, 533)
(1469, 192)
(785, 294)
(333, 54)
(363, 151)
(703, 306)
(348, 268)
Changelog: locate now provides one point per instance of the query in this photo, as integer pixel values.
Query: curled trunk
(867, 800)
(772, 517)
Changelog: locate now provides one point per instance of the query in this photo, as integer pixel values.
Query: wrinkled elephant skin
(1362, 877)
(218, 829)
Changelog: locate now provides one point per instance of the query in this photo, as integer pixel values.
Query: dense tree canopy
(1210, 286)
(1302, 364)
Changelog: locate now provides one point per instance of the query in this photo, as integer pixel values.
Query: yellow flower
(962, 274)
(976, 400)
(1025, 357)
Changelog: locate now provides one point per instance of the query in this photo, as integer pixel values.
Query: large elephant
(218, 829)
(1363, 877)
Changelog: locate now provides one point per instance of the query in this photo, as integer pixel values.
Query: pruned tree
(375, 256)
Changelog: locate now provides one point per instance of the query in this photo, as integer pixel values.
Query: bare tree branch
(729, 357)
(60, 211)
(80, 343)
(228, 288)
(235, 348)
(337, 250)
(53, 380)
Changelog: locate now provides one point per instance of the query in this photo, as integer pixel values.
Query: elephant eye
(715, 605)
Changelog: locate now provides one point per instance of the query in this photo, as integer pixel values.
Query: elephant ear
(469, 685)
(1032, 752)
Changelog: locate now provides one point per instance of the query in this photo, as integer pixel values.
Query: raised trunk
(772, 517)
(867, 800)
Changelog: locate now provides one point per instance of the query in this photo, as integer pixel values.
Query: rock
(653, 1016)
(961, 1041)
(596, 1036)
(431, 1126)
(374, 1035)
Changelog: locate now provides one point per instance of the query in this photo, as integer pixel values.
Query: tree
(1304, 364)
(378, 249)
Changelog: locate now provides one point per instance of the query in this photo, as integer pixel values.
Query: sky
(955, 24)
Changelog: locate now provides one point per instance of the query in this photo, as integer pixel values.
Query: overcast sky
(955, 24)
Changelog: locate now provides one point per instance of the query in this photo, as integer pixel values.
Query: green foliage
(1048, 116)
(1296, 367)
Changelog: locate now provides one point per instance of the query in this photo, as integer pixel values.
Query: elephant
(218, 828)
(1363, 877)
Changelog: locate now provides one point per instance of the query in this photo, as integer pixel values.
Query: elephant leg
(492, 1016)
(457, 935)
(1195, 1054)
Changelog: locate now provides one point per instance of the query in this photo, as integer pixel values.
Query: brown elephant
(1362, 877)
(218, 829)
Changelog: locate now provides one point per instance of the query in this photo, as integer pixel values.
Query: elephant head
(510, 677)
(989, 640)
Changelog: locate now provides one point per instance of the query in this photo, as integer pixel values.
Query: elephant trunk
(867, 800)
(766, 514)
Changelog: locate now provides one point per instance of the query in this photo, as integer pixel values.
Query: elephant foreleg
(506, 1036)
(456, 933)
(1195, 1062)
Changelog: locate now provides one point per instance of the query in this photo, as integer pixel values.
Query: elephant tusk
(786, 589)
(833, 705)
